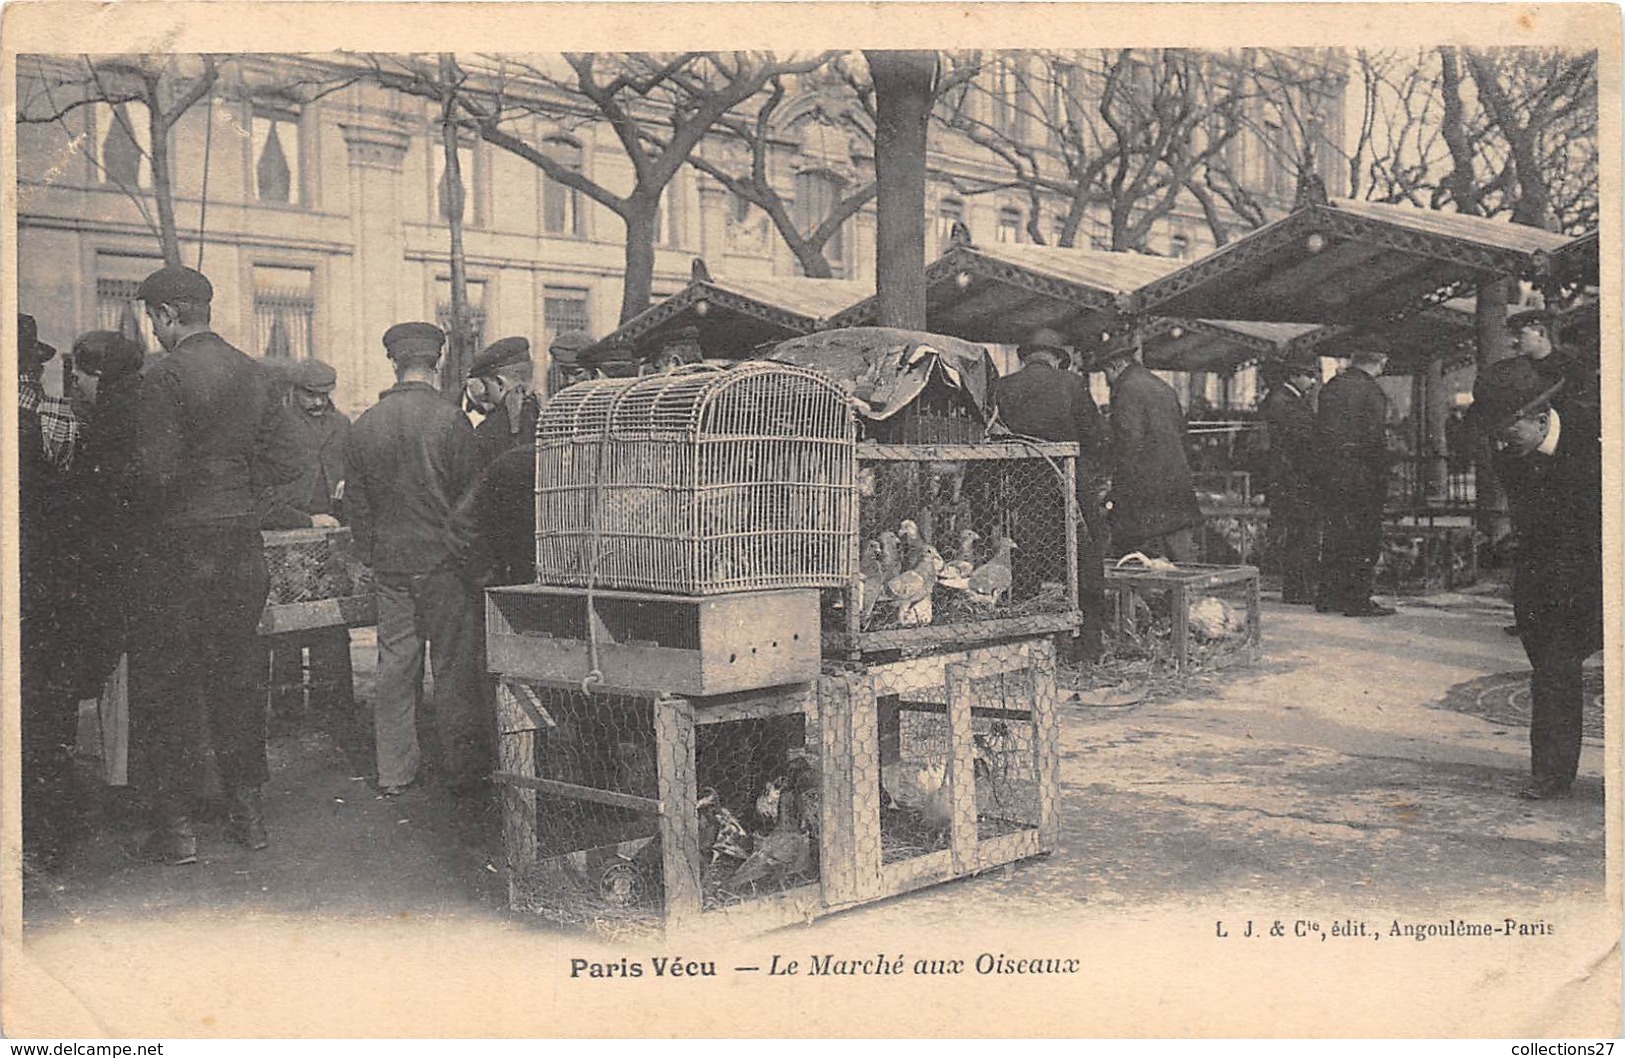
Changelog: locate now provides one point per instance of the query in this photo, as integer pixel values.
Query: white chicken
(920, 787)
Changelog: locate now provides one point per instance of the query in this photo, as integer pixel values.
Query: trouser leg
(1557, 700)
(461, 714)
(165, 720)
(226, 629)
(400, 681)
(1364, 544)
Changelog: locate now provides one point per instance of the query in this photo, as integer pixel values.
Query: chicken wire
(305, 565)
(1002, 520)
(1416, 559)
(697, 482)
(1186, 617)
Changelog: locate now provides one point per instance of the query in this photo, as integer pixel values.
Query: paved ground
(1339, 773)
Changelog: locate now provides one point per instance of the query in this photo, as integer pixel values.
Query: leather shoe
(247, 821)
(173, 843)
(1372, 608)
(1545, 790)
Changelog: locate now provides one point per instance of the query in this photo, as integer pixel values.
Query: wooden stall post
(864, 820)
(961, 777)
(679, 825)
(838, 820)
(516, 755)
(1048, 763)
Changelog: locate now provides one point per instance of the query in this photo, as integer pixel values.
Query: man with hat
(610, 358)
(412, 458)
(314, 500)
(1548, 458)
(1534, 337)
(565, 352)
(210, 438)
(506, 511)
(1044, 399)
(59, 427)
(1351, 440)
(681, 347)
(1290, 476)
(1153, 500)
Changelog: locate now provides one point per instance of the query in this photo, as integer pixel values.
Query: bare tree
(165, 87)
(659, 107)
(1131, 134)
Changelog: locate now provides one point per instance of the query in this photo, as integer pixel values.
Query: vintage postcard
(689, 520)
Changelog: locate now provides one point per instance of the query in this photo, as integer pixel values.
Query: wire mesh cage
(960, 544)
(698, 482)
(1417, 559)
(1188, 616)
(636, 814)
(316, 581)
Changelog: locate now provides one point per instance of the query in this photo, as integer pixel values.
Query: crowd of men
(144, 497)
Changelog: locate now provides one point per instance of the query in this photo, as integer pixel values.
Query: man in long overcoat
(507, 439)
(1351, 441)
(1046, 400)
(210, 437)
(1290, 477)
(1548, 458)
(1153, 502)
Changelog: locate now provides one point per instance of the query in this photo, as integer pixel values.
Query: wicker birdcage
(698, 482)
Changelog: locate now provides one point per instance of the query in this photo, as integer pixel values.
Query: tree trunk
(458, 354)
(640, 255)
(163, 190)
(1493, 344)
(811, 259)
(903, 95)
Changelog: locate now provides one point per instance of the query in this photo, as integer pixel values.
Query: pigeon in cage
(912, 591)
(721, 832)
(990, 582)
(871, 579)
(767, 805)
(910, 544)
(785, 850)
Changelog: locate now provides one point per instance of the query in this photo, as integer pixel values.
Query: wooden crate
(1140, 597)
(315, 582)
(1418, 559)
(641, 643)
(642, 865)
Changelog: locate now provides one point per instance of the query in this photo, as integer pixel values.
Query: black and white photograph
(910, 520)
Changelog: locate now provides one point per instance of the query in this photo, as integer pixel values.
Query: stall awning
(735, 316)
(1002, 293)
(1577, 261)
(1222, 346)
(1346, 261)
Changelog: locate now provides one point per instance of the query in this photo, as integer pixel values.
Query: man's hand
(323, 521)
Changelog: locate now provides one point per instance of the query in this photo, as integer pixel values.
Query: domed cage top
(698, 482)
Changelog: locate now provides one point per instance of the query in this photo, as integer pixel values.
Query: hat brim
(43, 353)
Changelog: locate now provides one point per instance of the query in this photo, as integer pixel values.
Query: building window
(118, 310)
(277, 162)
(950, 211)
(563, 311)
(123, 144)
(284, 312)
(561, 205)
(669, 216)
(1009, 225)
(817, 192)
(1009, 113)
(476, 311)
(472, 212)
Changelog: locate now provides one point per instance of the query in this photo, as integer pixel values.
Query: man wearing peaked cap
(505, 508)
(314, 500)
(1351, 441)
(412, 458)
(565, 354)
(211, 436)
(1534, 335)
(1548, 458)
(1153, 499)
(1044, 399)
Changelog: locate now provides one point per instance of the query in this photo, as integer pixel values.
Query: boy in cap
(1046, 400)
(210, 437)
(412, 458)
(1548, 458)
(313, 500)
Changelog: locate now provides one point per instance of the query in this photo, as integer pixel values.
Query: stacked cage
(1175, 618)
(697, 483)
(990, 531)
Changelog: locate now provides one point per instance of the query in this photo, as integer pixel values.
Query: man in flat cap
(565, 354)
(506, 511)
(611, 358)
(1291, 476)
(59, 427)
(210, 437)
(314, 500)
(1153, 499)
(1044, 399)
(412, 458)
(1548, 458)
(1351, 440)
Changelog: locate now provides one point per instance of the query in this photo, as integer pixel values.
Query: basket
(698, 482)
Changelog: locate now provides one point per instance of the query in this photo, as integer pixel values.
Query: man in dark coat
(1548, 458)
(1153, 502)
(1534, 336)
(506, 500)
(210, 436)
(1290, 478)
(412, 458)
(314, 500)
(1043, 399)
(1351, 441)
